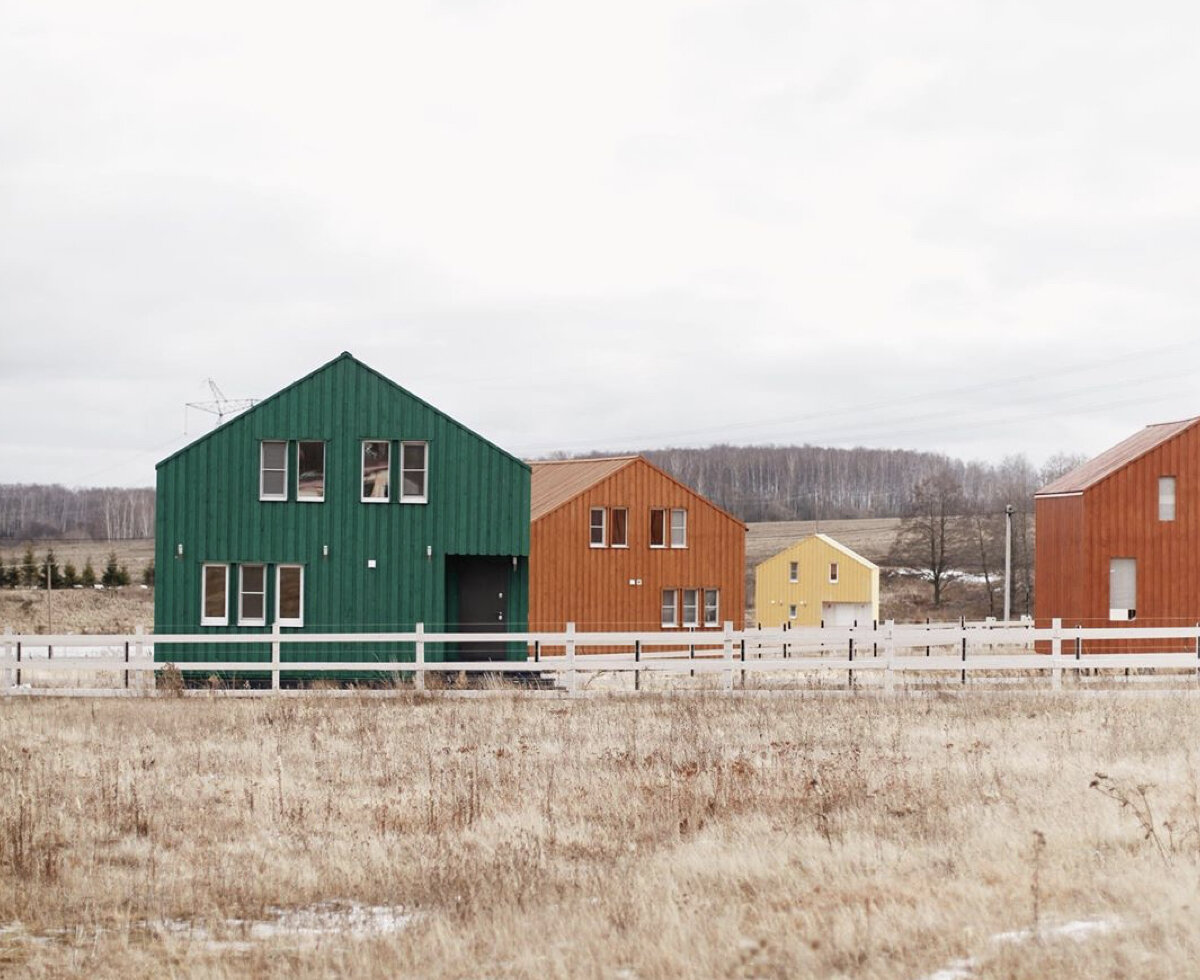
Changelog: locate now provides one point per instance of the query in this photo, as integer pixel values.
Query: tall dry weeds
(651, 837)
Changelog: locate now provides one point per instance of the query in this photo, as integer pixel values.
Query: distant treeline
(804, 483)
(29, 511)
(755, 483)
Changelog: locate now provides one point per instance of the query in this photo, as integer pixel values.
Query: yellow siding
(858, 582)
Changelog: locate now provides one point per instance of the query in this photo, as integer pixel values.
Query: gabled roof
(344, 356)
(825, 538)
(1119, 456)
(554, 482)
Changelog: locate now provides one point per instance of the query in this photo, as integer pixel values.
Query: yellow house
(816, 580)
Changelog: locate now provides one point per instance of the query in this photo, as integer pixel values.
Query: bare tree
(929, 537)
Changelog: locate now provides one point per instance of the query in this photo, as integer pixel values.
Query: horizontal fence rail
(877, 652)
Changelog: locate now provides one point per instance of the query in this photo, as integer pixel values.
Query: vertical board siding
(858, 582)
(478, 504)
(1117, 517)
(572, 582)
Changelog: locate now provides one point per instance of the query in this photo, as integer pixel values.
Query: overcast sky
(966, 227)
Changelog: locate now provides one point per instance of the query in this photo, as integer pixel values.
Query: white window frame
(680, 512)
(292, 621)
(613, 542)
(362, 472)
(694, 619)
(793, 571)
(309, 498)
(1167, 500)
(213, 620)
(714, 606)
(666, 527)
(673, 623)
(262, 469)
(834, 573)
(593, 527)
(423, 496)
(244, 620)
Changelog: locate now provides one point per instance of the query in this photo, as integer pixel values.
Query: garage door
(846, 613)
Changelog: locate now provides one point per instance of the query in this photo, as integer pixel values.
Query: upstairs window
(691, 615)
(596, 529)
(376, 471)
(679, 528)
(658, 528)
(793, 571)
(289, 595)
(272, 471)
(252, 595)
(833, 572)
(310, 471)
(414, 472)
(619, 536)
(712, 607)
(670, 610)
(214, 595)
(1166, 498)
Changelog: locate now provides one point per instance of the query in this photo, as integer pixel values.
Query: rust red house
(618, 544)
(1118, 538)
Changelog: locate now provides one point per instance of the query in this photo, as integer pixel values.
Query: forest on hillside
(39, 511)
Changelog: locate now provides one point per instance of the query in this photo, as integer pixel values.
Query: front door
(483, 585)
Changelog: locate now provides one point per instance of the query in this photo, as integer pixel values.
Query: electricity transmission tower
(220, 406)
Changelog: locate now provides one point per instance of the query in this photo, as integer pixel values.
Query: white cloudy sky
(970, 227)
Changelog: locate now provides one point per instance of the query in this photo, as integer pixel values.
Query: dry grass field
(661, 837)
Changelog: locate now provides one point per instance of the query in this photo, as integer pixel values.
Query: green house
(341, 504)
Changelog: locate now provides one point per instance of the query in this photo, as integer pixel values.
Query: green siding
(208, 502)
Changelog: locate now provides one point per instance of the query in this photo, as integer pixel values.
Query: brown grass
(609, 837)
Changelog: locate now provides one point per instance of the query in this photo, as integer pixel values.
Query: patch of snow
(1079, 930)
(307, 924)
(958, 970)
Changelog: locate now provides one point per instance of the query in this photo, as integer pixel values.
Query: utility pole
(1008, 515)
(49, 586)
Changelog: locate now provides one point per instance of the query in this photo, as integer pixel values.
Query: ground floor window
(712, 607)
(252, 595)
(289, 595)
(670, 608)
(214, 595)
(690, 607)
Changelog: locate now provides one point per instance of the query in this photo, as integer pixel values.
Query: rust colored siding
(1117, 517)
(570, 581)
(1059, 559)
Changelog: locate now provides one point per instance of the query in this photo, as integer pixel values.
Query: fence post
(637, 659)
(1197, 650)
(8, 674)
(889, 652)
(962, 625)
(419, 658)
(18, 663)
(743, 646)
(729, 656)
(1056, 655)
(571, 659)
(850, 672)
(275, 657)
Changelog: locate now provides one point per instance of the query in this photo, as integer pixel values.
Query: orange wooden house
(618, 544)
(1118, 538)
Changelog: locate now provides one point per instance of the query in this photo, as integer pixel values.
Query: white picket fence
(867, 655)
